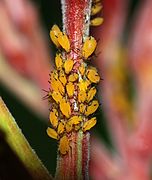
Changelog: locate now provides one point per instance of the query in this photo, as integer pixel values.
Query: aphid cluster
(72, 90)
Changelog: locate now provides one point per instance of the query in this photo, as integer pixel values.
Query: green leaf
(20, 146)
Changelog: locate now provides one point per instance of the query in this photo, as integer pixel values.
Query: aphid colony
(72, 92)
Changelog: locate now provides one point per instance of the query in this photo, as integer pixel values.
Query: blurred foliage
(34, 127)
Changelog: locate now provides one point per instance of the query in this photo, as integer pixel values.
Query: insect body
(96, 8)
(62, 77)
(96, 21)
(92, 107)
(64, 145)
(54, 33)
(70, 89)
(93, 75)
(56, 96)
(60, 128)
(88, 47)
(65, 108)
(91, 93)
(82, 96)
(64, 41)
(58, 61)
(52, 133)
(89, 124)
(73, 77)
(54, 117)
(74, 120)
(68, 65)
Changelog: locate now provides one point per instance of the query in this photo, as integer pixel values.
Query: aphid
(58, 61)
(96, 21)
(68, 127)
(52, 133)
(82, 95)
(92, 107)
(96, 8)
(65, 108)
(64, 145)
(82, 69)
(70, 89)
(54, 117)
(89, 124)
(74, 120)
(68, 65)
(82, 108)
(62, 77)
(73, 77)
(93, 75)
(91, 93)
(89, 46)
(56, 96)
(83, 84)
(64, 42)
(54, 75)
(60, 128)
(54, 33)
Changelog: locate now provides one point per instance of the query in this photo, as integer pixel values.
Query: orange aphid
(64, 145)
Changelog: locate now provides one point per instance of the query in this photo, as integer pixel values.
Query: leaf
(20, 146)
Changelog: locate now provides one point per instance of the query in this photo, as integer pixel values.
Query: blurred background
(122, 139)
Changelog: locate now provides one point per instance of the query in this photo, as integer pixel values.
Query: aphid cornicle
(91, 108)
(96, 8)
(68, 65)
(88, 47)
(64, 145)
(70, 89)
(52, 133)
(64, 42)
(93, 75)
(54, 117)
(54, 33)
(89, 124)
(58, 61)
(65, 108)
(96, 21)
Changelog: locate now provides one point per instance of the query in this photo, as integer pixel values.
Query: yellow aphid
(54, 33)
(52, 133)
(74, 120)
(58, 61)
(68, 127)
(73, 77)
(62, 77)
(82, 69)
(64, 42)
(82, 108)
(96, 21)
(91, 93)
(60, 128)
(64, 145)
(68, 65)
(56, 96)
(83, 84)
(89, 46)
(92, 107)
(89, 124)
(82, 96)
(96, 8)
(54, 117)
(93, 75)
(65, 108)
(70, 89)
